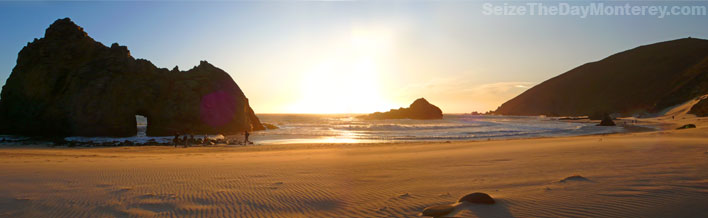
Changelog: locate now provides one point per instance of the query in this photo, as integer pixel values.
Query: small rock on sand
(687, 126)
(477, 198)
(406, 195)
(439, 210)
(574, 178)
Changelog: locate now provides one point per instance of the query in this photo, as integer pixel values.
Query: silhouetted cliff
(700, 109)
(644, 79)
(68, 84)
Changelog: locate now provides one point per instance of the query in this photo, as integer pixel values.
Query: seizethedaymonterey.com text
(588, 9)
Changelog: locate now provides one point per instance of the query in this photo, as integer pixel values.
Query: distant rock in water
(67, 84)
(270, 126)
(606, 121)
(420, 109)
(646, 79)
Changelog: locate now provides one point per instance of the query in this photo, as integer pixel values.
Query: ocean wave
(486, 135)
(458, 127)
(398, 127)
(134, 139)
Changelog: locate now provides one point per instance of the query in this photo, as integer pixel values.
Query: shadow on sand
(498, 210)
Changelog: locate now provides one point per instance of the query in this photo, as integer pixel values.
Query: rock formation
(645, 79)
(420, 109)
(700, 109)
(269, 126)
(68, 84)
(606, 121)
(477, 198)
(687, 126)
(438, 210)
(445, 209)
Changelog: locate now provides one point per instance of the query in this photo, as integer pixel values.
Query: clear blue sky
(353, 56)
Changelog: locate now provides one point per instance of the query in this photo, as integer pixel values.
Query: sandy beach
(354, 109)
(645, 174)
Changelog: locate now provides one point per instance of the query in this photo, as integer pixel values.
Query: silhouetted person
(185, 141)
(175, 140)
(191, 140)
(245, 135)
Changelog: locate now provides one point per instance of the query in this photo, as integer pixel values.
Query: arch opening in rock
(141, 125)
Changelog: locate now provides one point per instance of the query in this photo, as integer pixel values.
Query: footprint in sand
(156, 206)
(445, 195)
(275, 185)
(121, 190)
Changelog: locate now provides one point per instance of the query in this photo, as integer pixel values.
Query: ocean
(308, 128)
(346, 128)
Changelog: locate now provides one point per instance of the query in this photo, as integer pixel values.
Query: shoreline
(631, 128)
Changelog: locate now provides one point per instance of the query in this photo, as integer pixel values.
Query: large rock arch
(68, 84)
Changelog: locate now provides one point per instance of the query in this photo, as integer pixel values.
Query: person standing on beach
(245, 135)
(175, 140)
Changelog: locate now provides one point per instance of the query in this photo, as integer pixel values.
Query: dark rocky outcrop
(646, 79)
(700, 109)
(477, 198)
(687, 126)
(574, 178)
(606, 121)
(420, 109)
(270, 126)
(68, 84)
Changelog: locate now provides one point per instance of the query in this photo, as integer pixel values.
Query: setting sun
(399, 109)
(348, 81)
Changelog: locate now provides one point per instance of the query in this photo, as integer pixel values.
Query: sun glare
(349, 80)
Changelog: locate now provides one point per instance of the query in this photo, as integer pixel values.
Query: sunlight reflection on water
(310, 128)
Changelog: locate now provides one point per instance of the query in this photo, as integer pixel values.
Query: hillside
(641, 80)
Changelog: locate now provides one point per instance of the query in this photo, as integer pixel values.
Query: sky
(355, 57)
